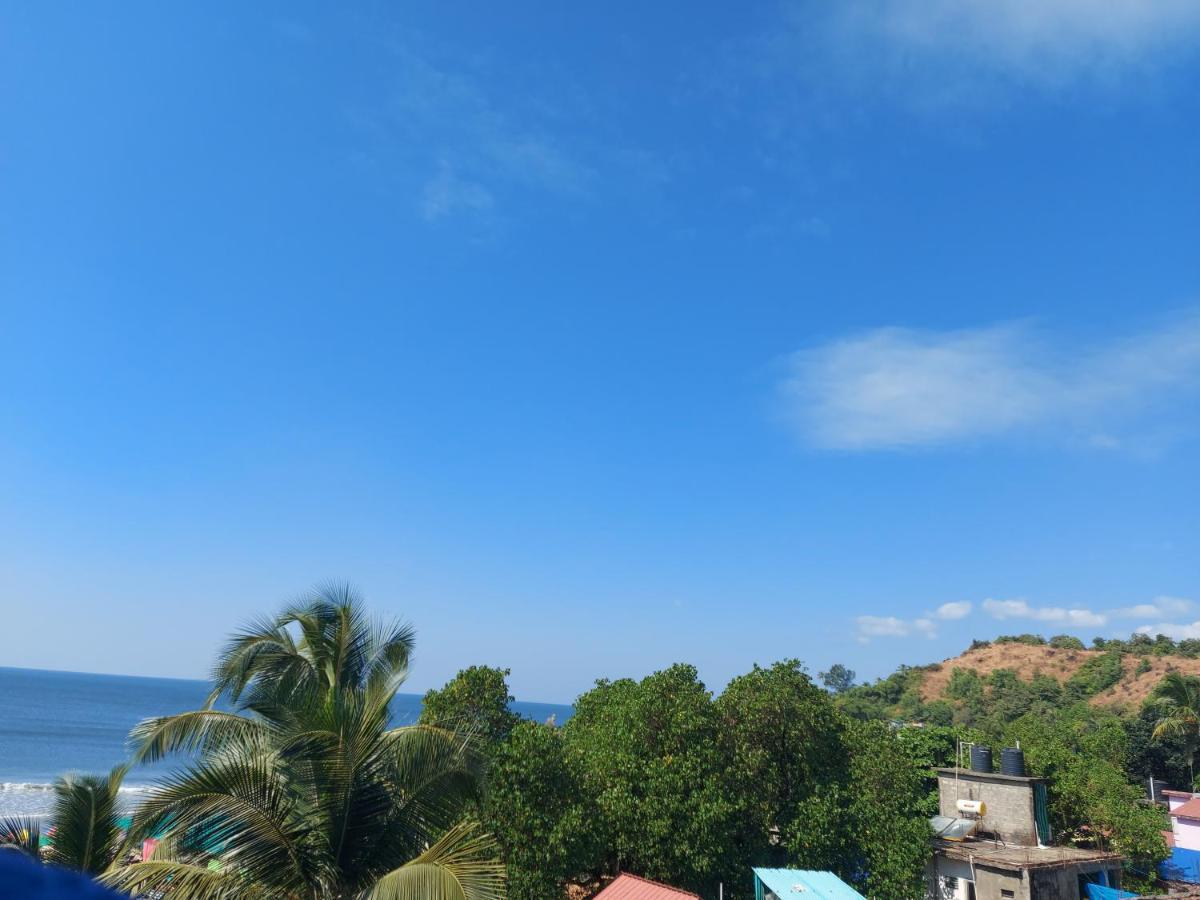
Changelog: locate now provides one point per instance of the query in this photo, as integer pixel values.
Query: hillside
(1138, 677)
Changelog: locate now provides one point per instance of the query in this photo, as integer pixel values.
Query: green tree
(838, 679)
(547, 825)
(475, 701)
(650, 754)
(303, 789)
(1083, 754)
(872, 830)
(1177, 699)
(1165, 758)
(782, 740)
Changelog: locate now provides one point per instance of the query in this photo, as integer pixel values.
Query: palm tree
(86, 835)
(1178, 699)
(301, 788)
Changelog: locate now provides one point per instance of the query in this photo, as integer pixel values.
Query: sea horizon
(54, 721)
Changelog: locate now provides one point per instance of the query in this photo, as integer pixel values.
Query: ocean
(57, 722)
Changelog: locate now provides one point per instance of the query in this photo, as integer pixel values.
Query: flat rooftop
(990, 776)
(986, 853)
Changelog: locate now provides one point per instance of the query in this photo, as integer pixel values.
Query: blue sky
(590, 339)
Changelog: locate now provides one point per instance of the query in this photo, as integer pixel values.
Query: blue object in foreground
(801, 884)
(1101, 892)
(21, 877)
(1181, 865)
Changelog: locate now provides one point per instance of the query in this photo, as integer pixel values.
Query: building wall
(1009, 803)
(990, 884)
(1187, 833)
(1056, 884)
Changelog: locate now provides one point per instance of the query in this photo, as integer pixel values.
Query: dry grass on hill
(1026, 659)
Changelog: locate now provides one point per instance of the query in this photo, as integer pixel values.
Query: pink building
(1184, 809)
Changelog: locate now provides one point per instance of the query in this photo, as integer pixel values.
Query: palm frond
(22, 833)
(185, 881)
(237, 805)
(462, 865)
(86, 835)
(200, 730)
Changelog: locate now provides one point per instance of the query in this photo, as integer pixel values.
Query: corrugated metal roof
(633, 887)
(1189, 810)
(801, 884)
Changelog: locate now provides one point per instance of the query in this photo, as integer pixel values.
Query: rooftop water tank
(1012, 761)
(981, 759)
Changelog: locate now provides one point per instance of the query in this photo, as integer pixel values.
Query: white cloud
(898, 387)
(1178, 632)
(868, 627)
(1050, 42)
(1020, 609)
(1160, 607)
(956, 610)
(1165, 606)
(889, 626)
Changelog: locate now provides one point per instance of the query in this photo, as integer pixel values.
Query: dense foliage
(547, 824)
(475, 701)
(660, 778)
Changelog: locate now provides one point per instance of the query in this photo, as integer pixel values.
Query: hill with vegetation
(1015, 673)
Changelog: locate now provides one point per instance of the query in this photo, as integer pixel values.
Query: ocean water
(57, 722)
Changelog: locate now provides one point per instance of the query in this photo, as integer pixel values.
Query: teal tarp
(801, 884)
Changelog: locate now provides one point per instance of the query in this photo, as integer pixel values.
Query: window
(1005, 892)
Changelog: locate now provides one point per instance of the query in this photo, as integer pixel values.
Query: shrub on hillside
(1034, 640)
(1066, 642)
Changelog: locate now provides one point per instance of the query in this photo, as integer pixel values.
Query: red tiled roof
(1189, 810)
(631, 887)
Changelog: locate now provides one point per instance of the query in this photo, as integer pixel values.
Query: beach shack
(1183, 840)
(801, 884)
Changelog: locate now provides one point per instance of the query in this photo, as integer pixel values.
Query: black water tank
(1012, 761)
(981, 759)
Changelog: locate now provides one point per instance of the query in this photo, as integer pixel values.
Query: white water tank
(971, 807)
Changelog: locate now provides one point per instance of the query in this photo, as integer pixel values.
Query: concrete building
(993, 846)
(1183, 840)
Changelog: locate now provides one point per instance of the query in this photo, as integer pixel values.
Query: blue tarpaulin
(801, 884)
(1100, 892)
(1181, 865)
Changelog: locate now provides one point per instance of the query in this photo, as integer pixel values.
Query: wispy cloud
(469, 141)
(446, 194)
(1021, 609)
(1044, 40)
(1159, 607)
(898, 387)
(963, 53)
(868, 627)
